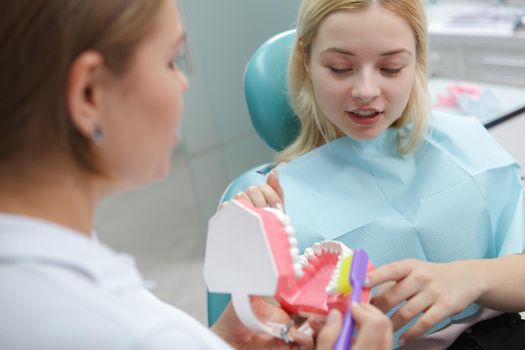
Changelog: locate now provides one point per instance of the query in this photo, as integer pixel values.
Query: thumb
(328, 335)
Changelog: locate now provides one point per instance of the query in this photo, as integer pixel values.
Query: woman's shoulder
(58, 303)
(467, 141)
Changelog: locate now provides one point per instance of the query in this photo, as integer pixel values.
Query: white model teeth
(285, 219)
(282, 216)
(299, 265)
(294, 250)
(331, 247)
(303, 260)
(309, 253)
(300, 262)
(331, 287)
(297, 261)
(317, 248)
(298, 269)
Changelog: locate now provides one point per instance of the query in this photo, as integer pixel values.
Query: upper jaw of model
(253, 251)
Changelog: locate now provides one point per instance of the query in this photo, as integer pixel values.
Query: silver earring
(97, 135)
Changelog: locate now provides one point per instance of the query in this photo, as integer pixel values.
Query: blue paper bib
(458, 196)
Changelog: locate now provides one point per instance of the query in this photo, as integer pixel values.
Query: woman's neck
(53, 190)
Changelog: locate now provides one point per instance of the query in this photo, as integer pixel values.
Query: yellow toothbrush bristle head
(343, 282)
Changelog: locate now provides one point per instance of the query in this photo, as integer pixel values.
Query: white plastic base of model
(243, 309)
(236, 247)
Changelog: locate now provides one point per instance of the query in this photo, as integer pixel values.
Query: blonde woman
(91, 101)
(434, 200)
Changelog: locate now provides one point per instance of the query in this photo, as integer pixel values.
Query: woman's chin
(137, 181)
(365, 136)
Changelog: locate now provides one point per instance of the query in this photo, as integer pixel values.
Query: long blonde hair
(316, 129)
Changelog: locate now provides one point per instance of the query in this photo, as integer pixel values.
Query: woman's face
(362, 66)
(142, 108)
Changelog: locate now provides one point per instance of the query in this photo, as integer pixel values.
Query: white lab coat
(62, 290)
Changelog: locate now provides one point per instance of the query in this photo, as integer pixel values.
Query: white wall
(510, 135)
(217, 134)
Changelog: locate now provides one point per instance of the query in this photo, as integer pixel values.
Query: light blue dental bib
(458, 196)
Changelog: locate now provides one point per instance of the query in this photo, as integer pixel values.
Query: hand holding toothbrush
(357, 275)
(373, 326)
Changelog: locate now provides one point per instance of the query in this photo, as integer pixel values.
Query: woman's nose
(183, 81)
(365, 88)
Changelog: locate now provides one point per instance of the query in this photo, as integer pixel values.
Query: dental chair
(271, 116)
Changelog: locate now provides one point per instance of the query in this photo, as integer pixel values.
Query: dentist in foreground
(91, 99)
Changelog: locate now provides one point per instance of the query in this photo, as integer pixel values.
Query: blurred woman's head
(94, 81)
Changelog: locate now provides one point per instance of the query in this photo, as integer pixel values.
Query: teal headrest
(265, 90)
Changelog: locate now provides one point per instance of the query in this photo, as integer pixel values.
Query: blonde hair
(316, 129)
(40, 41)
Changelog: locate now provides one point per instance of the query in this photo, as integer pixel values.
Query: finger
(416, 305)
(401, 291)
(381, 290)
(256, 196)
(301, 339)
(273, 182)
(433, 315)
(374, 328)
(390, 272)
(316, 322)
(271, 197)
(366, 315)
(378, 300)
(328, 335)
(242, 195)
(267, 312)
(359, 312)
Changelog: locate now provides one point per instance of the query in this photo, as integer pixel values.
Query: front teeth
(333, 247)
(365, 113)
(331, 288)
(309, 253)
(317, 248)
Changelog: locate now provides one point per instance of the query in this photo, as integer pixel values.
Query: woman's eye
(173, 64)
(181, 62)
(176, 62)
(391, 71)
(337, 70)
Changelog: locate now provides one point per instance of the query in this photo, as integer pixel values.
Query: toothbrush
(357, 279)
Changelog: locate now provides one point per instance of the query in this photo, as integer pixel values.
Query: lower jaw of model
(253, 251)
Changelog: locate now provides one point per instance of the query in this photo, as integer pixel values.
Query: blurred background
(164, 225)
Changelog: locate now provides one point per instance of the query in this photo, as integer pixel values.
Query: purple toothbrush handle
(344, 340)
(357, 278)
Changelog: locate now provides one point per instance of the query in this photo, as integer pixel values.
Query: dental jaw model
(253, 251)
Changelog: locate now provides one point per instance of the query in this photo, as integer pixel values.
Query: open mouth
(364, 117)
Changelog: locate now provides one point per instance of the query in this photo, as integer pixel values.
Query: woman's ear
(305, 56)
(82, 93)
(306, 63)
